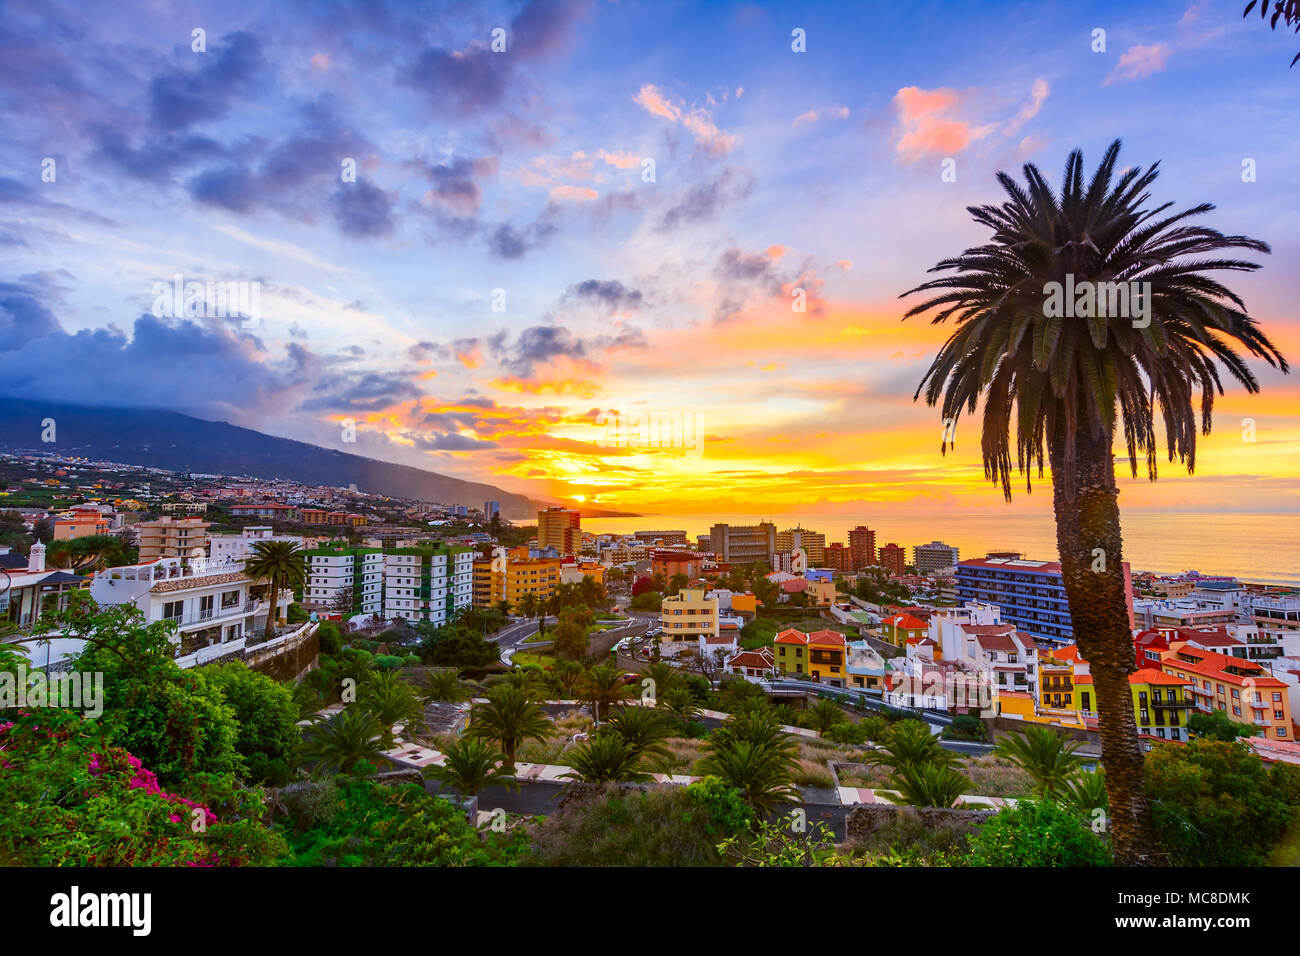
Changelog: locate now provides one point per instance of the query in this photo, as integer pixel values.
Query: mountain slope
(162, 439)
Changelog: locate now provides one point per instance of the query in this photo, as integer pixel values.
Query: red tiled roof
(826, 637)
(1216, 665)
(1149, 675)
(997, 642)
(791, 636)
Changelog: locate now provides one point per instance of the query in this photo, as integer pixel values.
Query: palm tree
(1070, 383)
(642, 728)
(1045, 755)
(739, 694)
(391, 700)
(282, 563)
(472, 765)
(1085, 792)
(444, 686)
(824, 715)
(928, 785)
(680, 702)
(528, 679)
(509, 718)
(338, 743)
(763, 774)
(605, 758)
(665, 677)
(1288, 11)
(602, 686)
(910, 744)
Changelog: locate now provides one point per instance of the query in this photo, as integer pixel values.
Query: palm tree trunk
(1089, 540)
(270, 614)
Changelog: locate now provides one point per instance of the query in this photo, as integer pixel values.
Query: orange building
(1242, 689)
(670, 563)
(79, 524)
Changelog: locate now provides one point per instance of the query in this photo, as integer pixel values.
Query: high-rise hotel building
(561, 529)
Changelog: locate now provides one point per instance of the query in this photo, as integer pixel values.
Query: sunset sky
(523, 171)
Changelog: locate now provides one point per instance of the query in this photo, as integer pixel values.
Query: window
(1236, 711)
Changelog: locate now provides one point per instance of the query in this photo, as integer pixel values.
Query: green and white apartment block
(428, 582)
(335, 569)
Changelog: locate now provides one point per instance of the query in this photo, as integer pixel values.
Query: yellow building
(688, 615)
(509, 576)
(812, 542)
(820, 655)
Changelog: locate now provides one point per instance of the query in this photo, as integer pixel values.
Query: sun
(579, 497)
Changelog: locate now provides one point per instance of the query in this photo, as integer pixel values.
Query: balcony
(1172, 704)
(215, 614)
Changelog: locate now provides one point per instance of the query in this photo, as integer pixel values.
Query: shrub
(659, 826)
(369, 824)
(1216, 804)
(726, 810)
(1037, 834)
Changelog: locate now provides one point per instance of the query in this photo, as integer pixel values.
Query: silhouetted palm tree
(1069, 384)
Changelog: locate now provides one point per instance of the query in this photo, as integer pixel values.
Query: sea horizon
(1255, 547)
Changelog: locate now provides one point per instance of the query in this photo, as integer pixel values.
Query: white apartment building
(208, 602)
(342, 570)
(237, 547)
(430, 584)
(976, 636)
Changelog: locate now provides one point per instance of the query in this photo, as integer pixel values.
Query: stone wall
(287, 662)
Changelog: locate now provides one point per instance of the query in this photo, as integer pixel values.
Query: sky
(641, 255)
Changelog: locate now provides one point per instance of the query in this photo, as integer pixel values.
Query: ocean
(1254, 547)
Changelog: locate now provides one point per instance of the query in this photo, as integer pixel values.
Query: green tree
(391, 700)
(267, 718)
(472, 764)
(643, 729)
(1217, 725)
(602, 686)
(1046, 755)
(444, 686)
(824, 715)
(605, 758)
(908, 745)
(1218, 804)
(1069, 384)
(751, 753)
(928, 785)
(284, 565)
(343, 742)
(509, 717)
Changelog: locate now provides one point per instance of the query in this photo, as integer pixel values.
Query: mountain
(162, 439)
